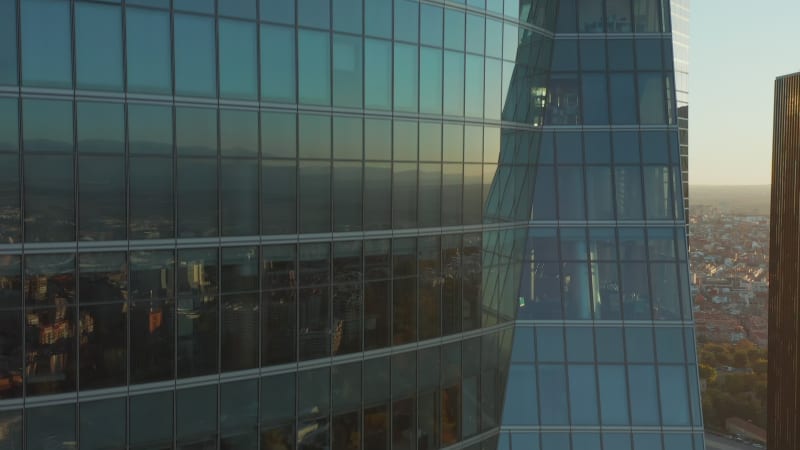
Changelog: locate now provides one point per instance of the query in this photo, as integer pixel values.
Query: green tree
(708, 373)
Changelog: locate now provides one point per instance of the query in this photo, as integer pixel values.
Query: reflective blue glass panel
(378, 18)
(277, 64)
(245, 9)
(377, 74)
(406, 86)
(237, 60)
(347, 71)
(101, 127)
(314, 13)
(314, 80)
(195, 56)
(280, 11)
(47, 126)
(98, 46)
(46, 43)
(8, 43)
(348, 16)
(149, 55)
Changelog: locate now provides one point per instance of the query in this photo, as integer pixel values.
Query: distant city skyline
(736, 54)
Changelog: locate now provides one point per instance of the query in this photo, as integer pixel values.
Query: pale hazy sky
(736, 50)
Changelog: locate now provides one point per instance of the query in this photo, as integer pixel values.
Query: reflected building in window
(783, 414)
(342, 224)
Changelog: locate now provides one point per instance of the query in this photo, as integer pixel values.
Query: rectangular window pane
(652, 103)
(238, 133)
(102, 423)
(281, 11)
(240, 318)
(347, 138)
(473, 95)
(347, 194)
(197, 197)
(277, 64)
(347, 70)
(313, 50)
(377, 196)
(49, 425)
(195, 56)
(378, 18)
(315, 201)
(430, 81)
(237, 58)
(431, 25)
(454, 87)
(404, 195)
(377, 139)
(278, 135)
(46, 43)
(454, 29)
(377, 74)
(314, 13)
(239, 197)
(278, 196)
(196, 416)
(49, 199)
(151, 198)
(150, 129)
(196, 131)
(315, 136)
(149, 56)
(8, 43)
(101, 127)
(245, 9)
(623, 106)
(101, 192)
(347, 16)
(406, 20)
(10, 225)
(151, 422)
(47, 126)
(98, 46)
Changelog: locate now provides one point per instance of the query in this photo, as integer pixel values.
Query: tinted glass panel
(98, 46)
(10, 225)
(195, 56)
(101, 192)
(102, 424)
(613, 394)
(454, 88)
(237, 56)
(196, 413)
(378, 18)
(101, 127)
(151, 420)
(313, 49)
(377, 195)
(245, 9)
(196, 131)
(347, 70)
(150, 129)
(315, 202)
(281, 11)
(347, 16)
(314, 13)
(430, 81)
(278, 135)
(278, 196)
(149, 56)
(201, 6)
(49, 198)
(197, 197)
(406, 20)
(8, 46)
(347, 194)
(46, 43)
(239, 197)
(377, 73)
(50, 426)
(151, 198)
(277, 63)
(47, 126)
(238, 133)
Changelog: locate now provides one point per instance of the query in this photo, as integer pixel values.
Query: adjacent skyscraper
(332, 224)
(604, 348)
(783, 430)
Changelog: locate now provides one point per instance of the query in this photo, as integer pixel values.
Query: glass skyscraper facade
(603, 351)
(342, 224)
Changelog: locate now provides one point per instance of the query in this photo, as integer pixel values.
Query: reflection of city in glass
(342, 224)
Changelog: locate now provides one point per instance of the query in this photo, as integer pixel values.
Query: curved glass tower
(332, 224)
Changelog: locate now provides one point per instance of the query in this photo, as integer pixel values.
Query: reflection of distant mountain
(733, 199)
